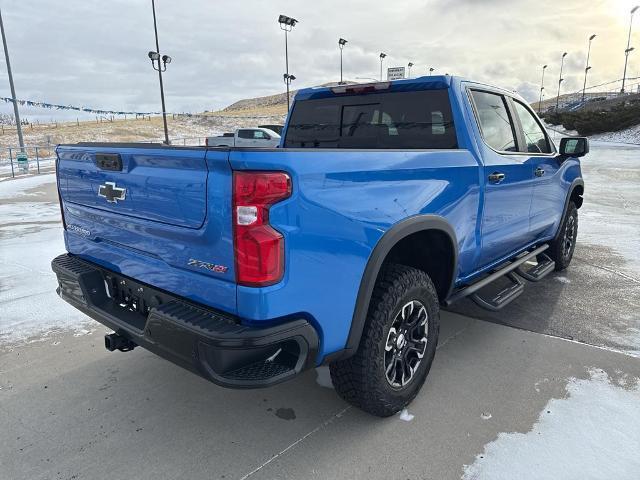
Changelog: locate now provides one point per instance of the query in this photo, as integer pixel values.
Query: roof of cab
(431, 82)
(406, 84)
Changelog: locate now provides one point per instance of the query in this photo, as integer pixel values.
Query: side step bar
(503, 297)
(510, 293)
(544, 267)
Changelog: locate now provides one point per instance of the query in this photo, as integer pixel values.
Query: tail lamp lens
(259, 248)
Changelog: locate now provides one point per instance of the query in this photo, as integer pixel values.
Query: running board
(505, 296)
(534, 274)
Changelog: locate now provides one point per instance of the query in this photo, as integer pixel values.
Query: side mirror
(574, 146)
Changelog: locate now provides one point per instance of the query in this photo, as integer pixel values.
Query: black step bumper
(210, 343)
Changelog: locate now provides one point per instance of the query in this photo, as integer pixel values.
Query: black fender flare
(577, 182)
(390, 238)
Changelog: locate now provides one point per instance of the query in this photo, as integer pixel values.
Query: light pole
(287, 24)
(431, 69)
(341, 43)
(560, 80)
(162, 61)
(13, 90)
(287, 80)
(629, 48)
(587, 67)
(382, 55)
(544, 67)
(410, 64)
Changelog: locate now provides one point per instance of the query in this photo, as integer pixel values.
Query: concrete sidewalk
(73, 410)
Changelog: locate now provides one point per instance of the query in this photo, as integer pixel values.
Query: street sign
(395, 73)
(23, 161)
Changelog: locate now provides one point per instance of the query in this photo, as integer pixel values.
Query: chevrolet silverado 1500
(384, 202)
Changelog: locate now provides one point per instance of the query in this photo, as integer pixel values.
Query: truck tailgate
(168, 186)
(159, 214)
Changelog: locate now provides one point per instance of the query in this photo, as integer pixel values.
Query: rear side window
(245, 134)
(495, 123)
(534, 136)
(403, 120)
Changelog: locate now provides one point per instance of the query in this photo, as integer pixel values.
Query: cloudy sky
(94, 52)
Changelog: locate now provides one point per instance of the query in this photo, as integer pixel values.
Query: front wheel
(561, 249)
(397, 345)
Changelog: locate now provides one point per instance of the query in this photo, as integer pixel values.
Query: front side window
(495, 123)
(403, 120)
(260, 135)
(534, 136)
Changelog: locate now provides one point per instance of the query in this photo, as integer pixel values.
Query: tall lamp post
(587, 67)
(382, 55)
(162, 61)
(13, 90)
(544, 67)
(560, 80)
(410, 64)
(287, 24)
(341, 43)
(629, 49)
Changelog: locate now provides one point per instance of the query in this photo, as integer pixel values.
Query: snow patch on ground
(593, 433)
(18, 187)
(406, 416)
(29, 304)
(30, 237)
(562, 279)
(323, 377)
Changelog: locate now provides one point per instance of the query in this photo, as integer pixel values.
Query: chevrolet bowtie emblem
(111, 192)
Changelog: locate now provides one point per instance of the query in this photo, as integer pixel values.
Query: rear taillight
(259, 249)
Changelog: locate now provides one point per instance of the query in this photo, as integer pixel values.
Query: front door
(547, 202)
(507, 178)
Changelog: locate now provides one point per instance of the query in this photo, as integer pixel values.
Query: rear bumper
(211, 344)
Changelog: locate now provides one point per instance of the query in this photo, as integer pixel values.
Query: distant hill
(270, 103)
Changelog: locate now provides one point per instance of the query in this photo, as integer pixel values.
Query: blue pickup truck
(384, 202)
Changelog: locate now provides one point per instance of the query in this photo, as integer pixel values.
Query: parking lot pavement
(69, 409)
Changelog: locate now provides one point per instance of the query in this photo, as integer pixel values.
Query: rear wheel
(397, 345)
(561, 249)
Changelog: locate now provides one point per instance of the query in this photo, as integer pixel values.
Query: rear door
(507, 178)
(547, 202)
(245, 138)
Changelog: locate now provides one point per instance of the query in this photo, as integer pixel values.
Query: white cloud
(90, 52)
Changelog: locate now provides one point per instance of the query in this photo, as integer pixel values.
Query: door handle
(496, 177)
(539, 172)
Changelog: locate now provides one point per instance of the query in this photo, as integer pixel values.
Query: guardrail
(39, 157)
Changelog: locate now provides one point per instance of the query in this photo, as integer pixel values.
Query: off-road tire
(361, 379)
(559, 250)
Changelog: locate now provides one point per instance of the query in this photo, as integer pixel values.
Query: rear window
(402, 120)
